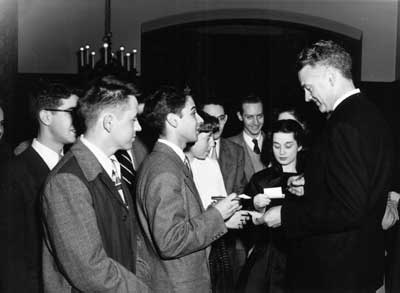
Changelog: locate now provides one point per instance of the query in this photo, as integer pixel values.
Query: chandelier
(122, 62)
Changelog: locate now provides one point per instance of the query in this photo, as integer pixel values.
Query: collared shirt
(249, 140)
(49, 156)
(217, 147)
(176, 149)
(208, 179)
(344, 97)
(104, 161)
(131, 156)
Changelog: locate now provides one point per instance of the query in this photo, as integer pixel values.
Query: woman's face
(285, 149)
(203, 145)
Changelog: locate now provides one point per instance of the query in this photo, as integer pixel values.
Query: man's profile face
(126, 124)
(61, 126)
(218, 112)
(317, 87)
(252, 117)
(189, 121)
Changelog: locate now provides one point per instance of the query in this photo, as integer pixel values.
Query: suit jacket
(232, 160)
(90, 237)
(21, 241)
(338, 239)
(175, 224)
(139, 152)
(248, 166)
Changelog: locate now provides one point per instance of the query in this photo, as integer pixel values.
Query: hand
(228, 206)
(260, 201)
(238, 220)
(296, 185)
(391, 215)
(394, 196)
(257, 217)
(272, 217)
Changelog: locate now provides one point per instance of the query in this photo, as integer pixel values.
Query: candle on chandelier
(134, 58)
(105, 49)
(81, 57)
(92, 55)
(128, 61)
(121, 56)
(87, 52)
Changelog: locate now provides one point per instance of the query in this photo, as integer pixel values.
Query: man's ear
(226, 118)
(172, 119)
(331, 74)
(45, 117)
(239, 115)
(107, 120)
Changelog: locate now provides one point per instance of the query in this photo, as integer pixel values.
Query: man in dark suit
(337, 233)
(92, 240)
(170, 209)
(231, 160)
(21, 181)
(230, 156)
(251, 114)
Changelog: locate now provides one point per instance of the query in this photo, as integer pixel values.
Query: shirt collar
(249, 140)
(49, 156)
(176, 149)
(104, 161)
(344, 97)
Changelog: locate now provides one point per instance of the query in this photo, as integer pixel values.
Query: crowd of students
(89, 205)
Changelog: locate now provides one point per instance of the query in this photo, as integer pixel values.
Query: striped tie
(117, 180)
(128, 173)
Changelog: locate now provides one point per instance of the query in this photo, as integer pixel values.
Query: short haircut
(212, 100)
(326, 53)
(100, 96)
(250, 99)
(164, 101)
(295, 112)
(130, 87)
(49, 96)
(285, 126)
(210, 123)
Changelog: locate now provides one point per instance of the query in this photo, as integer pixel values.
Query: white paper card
(274, 192)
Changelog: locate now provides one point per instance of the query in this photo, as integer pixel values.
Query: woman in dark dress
(266, 266)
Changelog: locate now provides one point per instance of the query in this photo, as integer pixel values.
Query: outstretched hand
(228, 206)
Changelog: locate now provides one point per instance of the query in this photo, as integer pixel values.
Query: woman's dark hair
(285, 126)
(210, 123)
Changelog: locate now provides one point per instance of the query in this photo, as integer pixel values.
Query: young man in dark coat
(20, 183)
(92, 241)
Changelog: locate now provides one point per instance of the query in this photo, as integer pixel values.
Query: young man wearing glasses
(230, 157)
(20, 183)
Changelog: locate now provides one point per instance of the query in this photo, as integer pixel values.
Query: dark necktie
(187, 164)
(128, 173)
(256, 149)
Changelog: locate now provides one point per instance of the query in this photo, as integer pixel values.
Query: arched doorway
(232, 53)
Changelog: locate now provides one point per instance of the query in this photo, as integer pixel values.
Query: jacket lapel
(181, 166)
(105, 179)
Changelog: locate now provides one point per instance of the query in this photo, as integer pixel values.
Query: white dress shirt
(49, 156)
(176, 149)
(249, 140)
(208, 179)
(344, 97)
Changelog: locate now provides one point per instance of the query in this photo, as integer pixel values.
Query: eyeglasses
(70, 111)
(221, 117)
